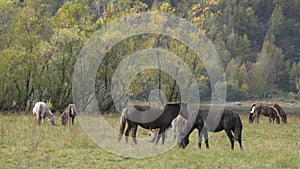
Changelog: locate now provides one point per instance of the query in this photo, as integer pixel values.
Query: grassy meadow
(24, 144)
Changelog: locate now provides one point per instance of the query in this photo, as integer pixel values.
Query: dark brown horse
(229, 122)
(150, 118)
(273, 111)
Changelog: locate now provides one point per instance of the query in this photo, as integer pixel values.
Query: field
(24, 144)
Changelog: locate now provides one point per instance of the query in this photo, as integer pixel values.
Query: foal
(176, 126)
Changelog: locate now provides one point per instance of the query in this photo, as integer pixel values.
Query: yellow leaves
(196, 7)
(206, 9)
(166, 7)
(60, 9)
(72, 13)
(213, 2)
(200, 13)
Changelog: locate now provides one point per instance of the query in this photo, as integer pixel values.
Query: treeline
(258, 43)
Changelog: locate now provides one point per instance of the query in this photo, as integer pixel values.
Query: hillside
(40, 40)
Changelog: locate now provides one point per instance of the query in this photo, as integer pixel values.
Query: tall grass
(24, 144)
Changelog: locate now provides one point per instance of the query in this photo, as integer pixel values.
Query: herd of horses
(228, 121)
(176, 115)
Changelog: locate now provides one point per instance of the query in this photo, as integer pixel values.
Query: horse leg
(175, 134)
(133, 133)
(70, 120)
(127, 133)
(39, 119)
(256, 119)
(199, 138)
(231, 138)
(206, 137)
(240, 143)
(161, 133)
(277, 120)
(271, 120)
(201, 132)
(73, 119)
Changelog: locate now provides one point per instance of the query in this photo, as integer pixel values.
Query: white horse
(69, 115)
(41, 111)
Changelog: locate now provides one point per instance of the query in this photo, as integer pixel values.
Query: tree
(271, 62)
(239, 47)
(276, 24)
(258, 84)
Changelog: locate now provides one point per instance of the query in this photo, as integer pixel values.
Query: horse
(229, 122)
(268, 111)
(69, 115)
(259, 108)
(176, 126)
(142, 116)
(41, 111)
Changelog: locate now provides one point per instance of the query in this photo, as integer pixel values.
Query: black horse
(229, 121)
(150, 118)
(266, 110)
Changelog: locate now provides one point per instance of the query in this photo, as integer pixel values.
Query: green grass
(24, 144)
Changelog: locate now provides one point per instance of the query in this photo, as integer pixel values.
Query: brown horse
(274, 111)
(230, 122)
(150, 118)
(68, 115)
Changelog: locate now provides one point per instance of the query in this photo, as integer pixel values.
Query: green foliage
(257, 42)
(271, 62)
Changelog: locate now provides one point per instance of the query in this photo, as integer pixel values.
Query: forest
(40, 40)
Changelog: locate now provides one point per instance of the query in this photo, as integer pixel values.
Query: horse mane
(278, 115)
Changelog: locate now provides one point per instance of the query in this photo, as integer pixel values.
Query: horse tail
(250, 117)
(72, 109)
(122, 123)
(64, 118)
(251, 113)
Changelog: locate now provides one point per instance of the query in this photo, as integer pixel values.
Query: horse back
(229, 120)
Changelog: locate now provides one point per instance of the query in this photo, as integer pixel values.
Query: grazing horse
(229, 122)
(268, 111)
(142, 116)
(176, 126)
(41, 111)
(69, 115)
(271, 110)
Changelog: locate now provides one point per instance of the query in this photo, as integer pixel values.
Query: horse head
(184, 142)
(52, 120)
(281, 113)
(284, 120)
